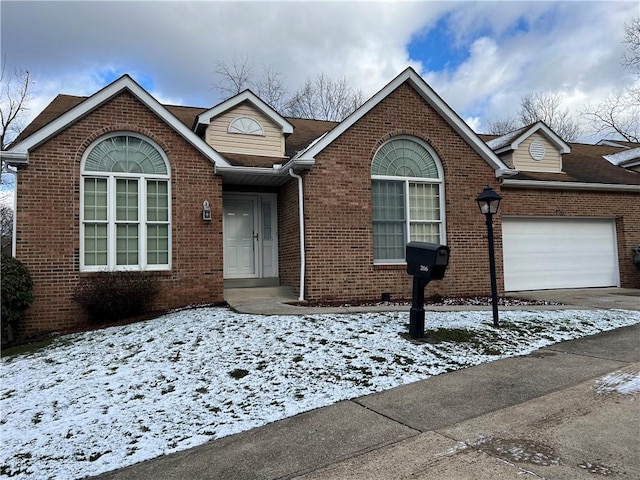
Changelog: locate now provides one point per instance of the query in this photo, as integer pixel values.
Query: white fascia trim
(506, 172)
(431, 97)
(569, 185)
(247, 95)
(102, 96)
(273, 171)
(14, 158)
(550, 134)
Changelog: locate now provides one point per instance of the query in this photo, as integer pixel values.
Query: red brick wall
(338, 211)
(339, 217)
(289, 235)
(48, 235)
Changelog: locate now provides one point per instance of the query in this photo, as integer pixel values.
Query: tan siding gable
(523, 161)
(269, 144)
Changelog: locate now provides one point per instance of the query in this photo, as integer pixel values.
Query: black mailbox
(427, 260)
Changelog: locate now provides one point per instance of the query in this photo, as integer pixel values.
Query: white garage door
(552, 253)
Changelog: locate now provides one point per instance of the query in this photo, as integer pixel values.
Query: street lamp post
(489, 201)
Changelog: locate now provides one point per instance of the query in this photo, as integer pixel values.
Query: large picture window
(407, 198)
(125, 206)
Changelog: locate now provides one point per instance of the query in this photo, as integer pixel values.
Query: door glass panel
(266, 222)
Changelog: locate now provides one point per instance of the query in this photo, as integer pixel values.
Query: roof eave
(15, 159)
(104, 95)
(429, 95)
(555, 185)
(247, 95)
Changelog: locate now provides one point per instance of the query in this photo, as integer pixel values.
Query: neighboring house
(238, 195)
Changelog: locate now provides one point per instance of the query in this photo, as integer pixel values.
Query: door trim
(265, 250)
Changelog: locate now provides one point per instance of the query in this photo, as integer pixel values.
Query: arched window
(125, 205)
(246, 125)
(407, 190)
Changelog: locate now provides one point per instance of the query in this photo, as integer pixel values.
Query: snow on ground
(624, 382)
(96, 401)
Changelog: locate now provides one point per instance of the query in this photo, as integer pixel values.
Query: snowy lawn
(100, 400)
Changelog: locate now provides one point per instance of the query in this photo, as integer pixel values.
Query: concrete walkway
(545, 415)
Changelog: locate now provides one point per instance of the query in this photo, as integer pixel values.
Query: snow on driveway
(96, 401)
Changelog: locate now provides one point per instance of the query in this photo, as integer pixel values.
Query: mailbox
(427, 260)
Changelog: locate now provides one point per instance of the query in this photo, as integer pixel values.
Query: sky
(481, 57)
(96, 401)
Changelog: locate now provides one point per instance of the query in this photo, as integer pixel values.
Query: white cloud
(514, 48)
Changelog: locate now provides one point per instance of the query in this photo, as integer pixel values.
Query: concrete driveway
(623, 298)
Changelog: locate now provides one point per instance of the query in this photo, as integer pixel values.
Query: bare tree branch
(14, 100)
(618, 114)
(323, 98)
(6, 228)
(233, 77)
(503, 126)
(631, 58)
(548, 108)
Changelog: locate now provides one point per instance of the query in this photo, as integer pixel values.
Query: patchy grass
(457, 335)
(122, 395)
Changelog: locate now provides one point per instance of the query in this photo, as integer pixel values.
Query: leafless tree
(14, 103)
(324, 98)
(237, 75)
(548, 108)
(540, 106)
(321, 98)
(6, 228)
(618, 114)
(503, 126)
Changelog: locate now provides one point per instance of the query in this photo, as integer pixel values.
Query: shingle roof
(585, 163)
(305, 131)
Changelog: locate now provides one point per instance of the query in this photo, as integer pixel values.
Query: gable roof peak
(86, 106)
(413, 79)
(512, 140)
(204, 119)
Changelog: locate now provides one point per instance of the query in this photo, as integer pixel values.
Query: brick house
(237, 195)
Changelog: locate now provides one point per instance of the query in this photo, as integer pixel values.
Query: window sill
(157, 273)
(389, 266)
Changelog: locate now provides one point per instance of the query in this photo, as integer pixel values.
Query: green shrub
(17, 295)
(112, 296)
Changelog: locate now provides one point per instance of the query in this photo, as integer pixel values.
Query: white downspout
(301, 221)
(14, 227)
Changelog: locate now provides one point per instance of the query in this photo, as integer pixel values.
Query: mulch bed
(453, 301)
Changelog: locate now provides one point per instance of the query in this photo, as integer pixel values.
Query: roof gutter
(15, 159)
(276, 170)
(551, 185)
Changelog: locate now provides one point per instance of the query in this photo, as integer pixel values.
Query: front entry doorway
(250, 236)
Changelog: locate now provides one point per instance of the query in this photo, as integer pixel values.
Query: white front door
(250, 236)
(240, 231)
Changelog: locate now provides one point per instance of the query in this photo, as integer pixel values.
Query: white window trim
(112, 177)
(407, 180)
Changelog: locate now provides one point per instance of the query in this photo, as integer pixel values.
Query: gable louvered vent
(537, 150)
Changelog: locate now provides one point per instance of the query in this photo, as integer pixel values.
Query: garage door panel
(559, 253)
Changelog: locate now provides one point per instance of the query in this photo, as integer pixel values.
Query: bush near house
(17, 295)
(112, 296)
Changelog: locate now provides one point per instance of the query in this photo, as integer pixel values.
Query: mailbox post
(426, 262)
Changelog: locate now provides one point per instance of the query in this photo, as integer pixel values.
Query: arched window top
(246, 125)
(125, 153)
(404, 157)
